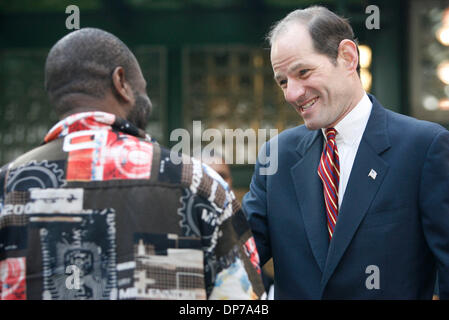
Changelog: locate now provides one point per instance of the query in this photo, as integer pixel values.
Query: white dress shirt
(349, 133)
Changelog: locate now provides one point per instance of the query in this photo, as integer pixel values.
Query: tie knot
(331, 133)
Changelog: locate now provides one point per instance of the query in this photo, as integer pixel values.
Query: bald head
(82, 64)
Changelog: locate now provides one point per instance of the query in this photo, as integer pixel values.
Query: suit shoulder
(298, 131)
(292, 136)
(406, 125)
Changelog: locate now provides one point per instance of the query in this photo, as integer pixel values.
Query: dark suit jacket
(397, 222)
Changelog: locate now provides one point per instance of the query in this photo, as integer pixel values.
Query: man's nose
(294, 91)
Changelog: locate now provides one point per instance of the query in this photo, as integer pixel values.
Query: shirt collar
(350, 129)
(93, 120)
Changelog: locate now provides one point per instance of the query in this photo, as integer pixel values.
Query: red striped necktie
(329, 172)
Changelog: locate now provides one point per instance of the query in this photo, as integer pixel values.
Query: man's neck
(77, 103)
(355, 98)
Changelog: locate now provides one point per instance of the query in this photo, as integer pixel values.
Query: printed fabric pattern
(99, 211)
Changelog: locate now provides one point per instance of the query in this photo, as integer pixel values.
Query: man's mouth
(308, 104)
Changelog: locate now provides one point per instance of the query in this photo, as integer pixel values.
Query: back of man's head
(82, 63)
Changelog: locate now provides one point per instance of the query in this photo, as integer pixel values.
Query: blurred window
(429, 49)
(232, 87)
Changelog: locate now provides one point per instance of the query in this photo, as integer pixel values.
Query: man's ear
(348, 55)
(121, 85)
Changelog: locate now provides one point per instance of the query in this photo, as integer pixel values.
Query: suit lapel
(361, 187)
(309, 193)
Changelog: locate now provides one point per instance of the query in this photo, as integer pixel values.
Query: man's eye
(303, 72)
(282, 83)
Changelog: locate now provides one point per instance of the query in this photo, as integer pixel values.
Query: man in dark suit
(359, 205)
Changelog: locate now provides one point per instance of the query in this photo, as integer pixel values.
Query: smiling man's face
(312, 83)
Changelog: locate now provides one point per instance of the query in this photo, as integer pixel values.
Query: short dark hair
(326, 29)
(83, 62)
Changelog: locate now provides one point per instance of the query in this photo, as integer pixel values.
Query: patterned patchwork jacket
(99, 211)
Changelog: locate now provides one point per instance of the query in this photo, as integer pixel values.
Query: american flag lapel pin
(372, 174)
